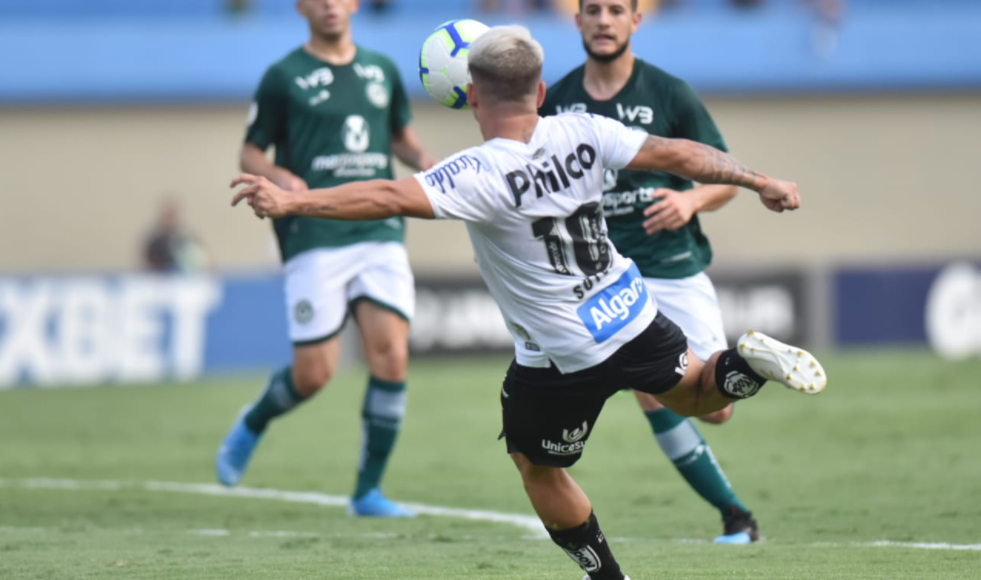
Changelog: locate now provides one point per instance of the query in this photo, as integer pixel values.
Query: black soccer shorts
(549, 416)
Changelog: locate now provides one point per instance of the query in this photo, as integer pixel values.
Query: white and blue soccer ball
(443, 61)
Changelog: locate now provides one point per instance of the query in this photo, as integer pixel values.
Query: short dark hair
(506, 63)
(633, 5)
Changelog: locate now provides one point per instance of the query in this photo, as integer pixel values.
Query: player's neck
(511, 125)
(336, 51)
(603, 80)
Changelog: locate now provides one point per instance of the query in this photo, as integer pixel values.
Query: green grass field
(890, 452)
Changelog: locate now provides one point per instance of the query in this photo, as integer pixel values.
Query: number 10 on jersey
(581, 236)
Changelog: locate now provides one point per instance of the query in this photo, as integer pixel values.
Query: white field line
(528, 523)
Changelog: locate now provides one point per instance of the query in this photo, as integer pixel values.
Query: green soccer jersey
(330, 125)
(663, 105)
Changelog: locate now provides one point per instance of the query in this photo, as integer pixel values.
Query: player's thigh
(693, 305)
(383, 299)
(384, 278)
(316, 285)
(655, 360)
(548, 417)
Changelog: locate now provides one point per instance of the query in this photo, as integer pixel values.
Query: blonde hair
(506, 63)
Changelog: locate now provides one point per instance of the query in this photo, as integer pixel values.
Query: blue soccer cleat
(235, 452)
(739, 528)
(375, 505)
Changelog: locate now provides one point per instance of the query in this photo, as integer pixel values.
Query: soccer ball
(443, 61)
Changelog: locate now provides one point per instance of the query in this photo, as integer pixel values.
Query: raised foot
(792, 366)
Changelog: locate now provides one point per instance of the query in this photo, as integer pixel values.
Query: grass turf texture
(888, 452)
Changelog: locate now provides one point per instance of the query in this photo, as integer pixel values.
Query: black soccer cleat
(739, 528)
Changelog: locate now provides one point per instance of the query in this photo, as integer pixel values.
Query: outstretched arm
(706, 164)
(358, 200)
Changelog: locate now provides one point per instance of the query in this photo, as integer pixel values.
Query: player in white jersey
(530, 197)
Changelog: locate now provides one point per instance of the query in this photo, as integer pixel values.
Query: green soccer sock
(277, 398)
(384, 407)
(684, 446)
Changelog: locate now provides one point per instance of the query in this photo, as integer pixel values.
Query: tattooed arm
(706, 164)
(358, 200)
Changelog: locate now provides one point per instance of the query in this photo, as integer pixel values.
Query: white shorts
(322, 286)
(692, 304)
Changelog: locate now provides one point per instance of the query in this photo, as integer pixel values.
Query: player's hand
(290, 182)
(779, 195)
(266, 198)
(671, 212)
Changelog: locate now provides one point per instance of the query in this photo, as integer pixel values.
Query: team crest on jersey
(356, 133)
(377, 95)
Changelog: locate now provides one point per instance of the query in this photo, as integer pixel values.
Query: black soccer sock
(587, 546)
(734, 378)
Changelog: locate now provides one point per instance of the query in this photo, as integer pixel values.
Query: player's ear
(301, 8)
(579, 21)
(635, 18)
(541, 95)
(472, 96)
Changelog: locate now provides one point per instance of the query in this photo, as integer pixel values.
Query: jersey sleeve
(454, 188)
(618, 144)
(267, 115)
(400, 112)
(692, 119)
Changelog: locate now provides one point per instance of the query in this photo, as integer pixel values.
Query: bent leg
(313, 366)
(696, 393)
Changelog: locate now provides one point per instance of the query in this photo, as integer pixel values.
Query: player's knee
(531, 473)
(647, 402)
(308, 379)
(389, 359)
(718, 417)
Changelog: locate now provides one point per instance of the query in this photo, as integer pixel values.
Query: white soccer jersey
(535, 218)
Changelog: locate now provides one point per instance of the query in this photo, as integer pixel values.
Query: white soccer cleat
(796, 368)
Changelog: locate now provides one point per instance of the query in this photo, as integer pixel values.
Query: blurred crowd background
(120, 122)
